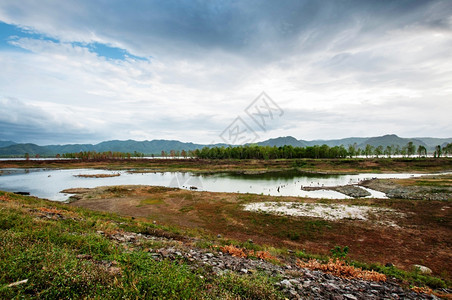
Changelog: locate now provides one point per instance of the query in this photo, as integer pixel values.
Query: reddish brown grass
(341, 269)
(244, 253)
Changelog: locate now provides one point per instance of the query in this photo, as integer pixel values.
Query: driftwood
(17, 283)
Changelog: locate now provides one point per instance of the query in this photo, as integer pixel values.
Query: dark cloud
(256, 29)
(32, 124)
(332, 65)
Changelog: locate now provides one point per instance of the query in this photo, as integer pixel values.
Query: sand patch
(332, 212)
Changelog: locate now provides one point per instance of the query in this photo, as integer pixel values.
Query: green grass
(411, 277)
(150, 201)
(46, 251)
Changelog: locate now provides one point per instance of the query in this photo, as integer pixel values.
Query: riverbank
(403, 234)
(53, 250)
(433, 187)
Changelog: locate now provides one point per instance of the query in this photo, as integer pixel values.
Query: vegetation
(268, 152)
(315, 152)
(58, 250)
(53, 251)
(93, 155)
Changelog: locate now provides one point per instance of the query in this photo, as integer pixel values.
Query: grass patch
(150, 201)
(187, 208)
(58, 249)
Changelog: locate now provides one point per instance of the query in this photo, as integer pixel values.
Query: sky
(224, 71)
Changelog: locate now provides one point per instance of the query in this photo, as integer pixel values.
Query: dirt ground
(422, 235)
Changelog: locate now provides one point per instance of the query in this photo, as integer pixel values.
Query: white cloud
(361, 75)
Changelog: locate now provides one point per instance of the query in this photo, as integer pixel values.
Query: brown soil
(97, 175)
(423, 236)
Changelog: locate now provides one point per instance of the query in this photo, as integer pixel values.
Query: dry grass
(5, 198)
(244, 253)
(341, 269)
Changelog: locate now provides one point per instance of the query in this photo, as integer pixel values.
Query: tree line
(271, 152)
(107, 155)
(317, 151)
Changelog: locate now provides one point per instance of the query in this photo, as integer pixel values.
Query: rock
(389, 265)
(286, 283)
(22, 193)
(352, 191)
(293, 293)
(350, 297)
(310, 285)
(423, 269)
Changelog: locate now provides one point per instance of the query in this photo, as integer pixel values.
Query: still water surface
(48, 183)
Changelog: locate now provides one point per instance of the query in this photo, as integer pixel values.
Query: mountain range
(10, 148)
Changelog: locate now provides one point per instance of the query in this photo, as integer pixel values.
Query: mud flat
(331, 212)
(97, 175)
(438, 188)
(349, 190)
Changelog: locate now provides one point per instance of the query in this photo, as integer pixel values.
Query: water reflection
(47, 183)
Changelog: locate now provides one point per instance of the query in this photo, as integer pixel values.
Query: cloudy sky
(88, 71)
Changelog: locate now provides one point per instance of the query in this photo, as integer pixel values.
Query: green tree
(438, 151)
(421, 151)
(403, 152)
(447, 150)
(352, 150)
(388, 151)
(378, 151)
(410, 148)
(369, 150)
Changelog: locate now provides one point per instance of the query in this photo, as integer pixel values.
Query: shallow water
(47, 183)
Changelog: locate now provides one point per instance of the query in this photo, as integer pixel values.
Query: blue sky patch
(108, 51)
(10, 33)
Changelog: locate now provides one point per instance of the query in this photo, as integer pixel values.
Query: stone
(350, 297)
(423, 269)
(286, 283)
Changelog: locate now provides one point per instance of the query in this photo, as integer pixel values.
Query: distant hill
(332, 143)
(21, 149)
(432, 142)
(390, 139)
(146, 147)
(6, 143)
(281, 141)
(9, 148)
